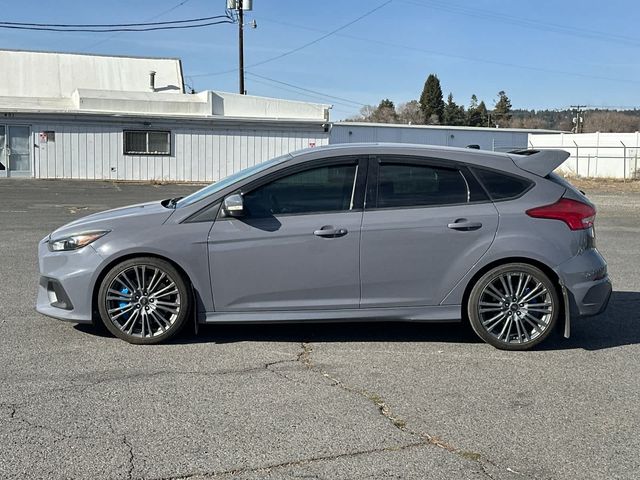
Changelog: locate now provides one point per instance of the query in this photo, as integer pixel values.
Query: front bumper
(587, 282)
(66, 283)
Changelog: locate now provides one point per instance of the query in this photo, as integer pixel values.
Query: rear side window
(408, 185)
(502, 186)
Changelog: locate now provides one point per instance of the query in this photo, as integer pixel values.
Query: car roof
(467, 155)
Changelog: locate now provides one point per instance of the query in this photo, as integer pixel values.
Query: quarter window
(407, 185)
(324, 189)
(501, 186)
(140, 142)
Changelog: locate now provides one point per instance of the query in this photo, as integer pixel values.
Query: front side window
(147, 142)
(409, 185)
(323, 189)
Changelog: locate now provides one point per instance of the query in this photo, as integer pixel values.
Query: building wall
(488, 139)
(611, 155)
(199, 154)
(51, 74)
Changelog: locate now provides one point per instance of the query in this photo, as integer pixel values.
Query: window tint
(405, 185)
(501, 186)
(324, 189)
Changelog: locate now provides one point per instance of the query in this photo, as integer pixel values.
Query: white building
(496, 139)
(81, 116)
(67, 115)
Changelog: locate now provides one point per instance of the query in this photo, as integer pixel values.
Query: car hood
(140, 215)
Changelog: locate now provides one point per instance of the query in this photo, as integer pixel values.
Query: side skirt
(440, 313)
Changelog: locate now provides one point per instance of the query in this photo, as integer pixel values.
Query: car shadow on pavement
(618, 326)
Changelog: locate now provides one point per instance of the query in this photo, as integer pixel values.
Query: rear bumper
(587, 282)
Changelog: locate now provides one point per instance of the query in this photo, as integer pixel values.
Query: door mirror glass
(233, 206)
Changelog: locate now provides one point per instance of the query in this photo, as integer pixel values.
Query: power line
(315, 92)
(462, 57)
(314, 97)
(114, 25)
(158, 15)
(523, 22)
(301, 47)
(127, 29)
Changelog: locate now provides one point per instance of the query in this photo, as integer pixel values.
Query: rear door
(426, 223)
(298, 245)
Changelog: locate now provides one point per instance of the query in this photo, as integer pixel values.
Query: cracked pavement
(336, 401)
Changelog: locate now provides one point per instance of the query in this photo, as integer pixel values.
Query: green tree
(431, 102)
(453, 113)
(385, 113)
(483, 114)
(502, 109)
(475, 117)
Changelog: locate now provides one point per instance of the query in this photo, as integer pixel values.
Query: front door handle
(464, 225)
(328, 231)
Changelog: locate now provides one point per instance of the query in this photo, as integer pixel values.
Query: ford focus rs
(359, 232)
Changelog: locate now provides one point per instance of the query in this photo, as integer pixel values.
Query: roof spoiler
(539, 162)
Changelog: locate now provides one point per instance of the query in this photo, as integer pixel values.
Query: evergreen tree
(474, 116)
(453, 114)
(385, 113)
(483, 114)
(431, 102)
(502, 109)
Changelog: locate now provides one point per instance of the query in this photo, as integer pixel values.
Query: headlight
(74, 242)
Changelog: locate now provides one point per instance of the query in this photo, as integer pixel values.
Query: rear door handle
(329, 231)
(464, 225)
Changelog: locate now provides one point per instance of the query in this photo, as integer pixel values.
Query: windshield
(230, 180)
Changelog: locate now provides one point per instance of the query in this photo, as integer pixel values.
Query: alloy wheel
(515, 307)
(143, 301)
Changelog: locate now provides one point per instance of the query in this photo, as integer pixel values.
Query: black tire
(140, 316)
(493, 318)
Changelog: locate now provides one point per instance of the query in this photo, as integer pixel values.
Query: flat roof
(86, 54)
(444, 127)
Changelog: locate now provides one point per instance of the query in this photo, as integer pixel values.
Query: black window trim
(473, 169)
(371, 200)
(360, 161)
(148, 154)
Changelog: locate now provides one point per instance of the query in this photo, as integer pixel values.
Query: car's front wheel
(513, 306)
(143, 300)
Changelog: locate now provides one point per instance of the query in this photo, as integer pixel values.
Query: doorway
(15, 151)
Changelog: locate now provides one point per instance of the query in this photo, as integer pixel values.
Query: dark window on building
(502, 186)
(324, 189)
(408, 185)
(142, 142)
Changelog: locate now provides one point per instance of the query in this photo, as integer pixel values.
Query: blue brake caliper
(125, 291)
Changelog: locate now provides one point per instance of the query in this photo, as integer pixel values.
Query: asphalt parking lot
(315, 401)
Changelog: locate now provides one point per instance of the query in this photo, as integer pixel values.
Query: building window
(144, 142)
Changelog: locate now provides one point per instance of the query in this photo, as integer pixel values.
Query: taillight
(577, 215)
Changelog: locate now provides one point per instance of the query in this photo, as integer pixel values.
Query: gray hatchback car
(359, 232)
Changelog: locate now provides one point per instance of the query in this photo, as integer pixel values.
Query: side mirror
(233, 206)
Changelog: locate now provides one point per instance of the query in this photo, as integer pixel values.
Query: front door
(15, 151)
(296, 247)
(423, 229)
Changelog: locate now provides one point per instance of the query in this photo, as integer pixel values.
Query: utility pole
(579, 119)
(241, 46)
(240, 6)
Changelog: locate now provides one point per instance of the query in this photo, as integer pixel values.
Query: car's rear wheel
(144, 300)
(513, 306)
